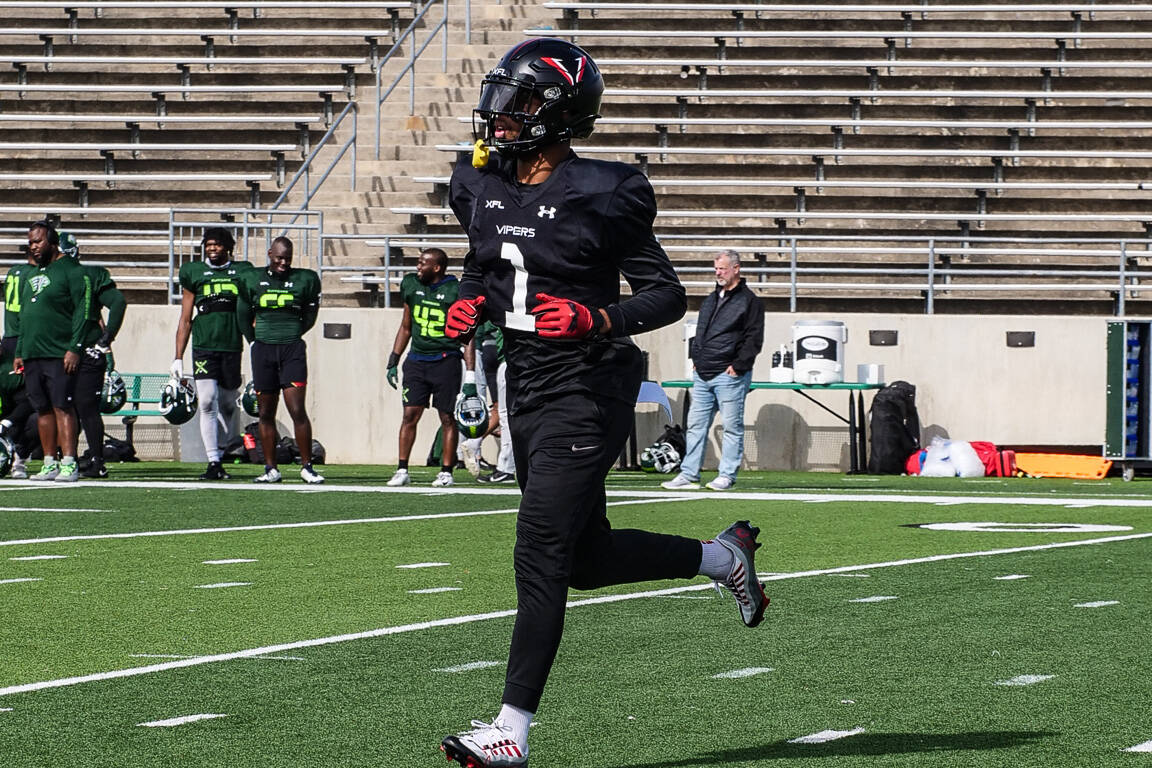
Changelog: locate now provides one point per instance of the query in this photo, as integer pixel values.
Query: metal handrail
(305, 169)
(414, 54)
(935, 278)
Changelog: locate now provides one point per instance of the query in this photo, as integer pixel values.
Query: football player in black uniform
(550, 234)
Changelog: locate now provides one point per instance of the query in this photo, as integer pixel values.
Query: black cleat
(497, 477)
(95, 469)
(215, 471)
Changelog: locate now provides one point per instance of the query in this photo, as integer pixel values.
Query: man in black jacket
(729, 334)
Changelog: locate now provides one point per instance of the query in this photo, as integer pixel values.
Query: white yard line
(433, 590)
(17, 581)
(1024, 680)
(825, 736)
(1144, 747)
(1097, 604)
(228, 562)
(40, 557)
(178, 721)
(224, 585)
(737, 674)
(874, 599)
(470, 667)
(423, 565)
(51, 509)
(459, 620)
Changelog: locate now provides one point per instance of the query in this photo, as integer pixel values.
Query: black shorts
(279, 366)
(8, 345)
(224, 367)
(47, 384)
(437, 381)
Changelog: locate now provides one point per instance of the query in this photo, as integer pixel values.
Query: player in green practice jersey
(13, 282)
(432, 368)
(101, 293)
(209, 291)
(53, 315)
(276, 307)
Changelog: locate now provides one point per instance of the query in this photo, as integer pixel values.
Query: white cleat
(399, 479)
(487, 745)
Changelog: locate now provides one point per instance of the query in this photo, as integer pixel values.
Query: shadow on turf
(866, 744)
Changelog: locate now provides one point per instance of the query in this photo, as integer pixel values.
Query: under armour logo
(550, 212)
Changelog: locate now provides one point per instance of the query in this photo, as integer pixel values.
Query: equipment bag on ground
(894, 428)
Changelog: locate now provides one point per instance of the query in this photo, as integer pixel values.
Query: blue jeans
(722, 393)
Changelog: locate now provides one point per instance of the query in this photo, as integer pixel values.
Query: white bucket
(819, 346)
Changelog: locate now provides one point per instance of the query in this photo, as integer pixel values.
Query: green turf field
(151, 620)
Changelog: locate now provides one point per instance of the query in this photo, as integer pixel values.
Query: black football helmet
(551, 86)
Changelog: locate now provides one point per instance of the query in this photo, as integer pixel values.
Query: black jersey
(572, 237)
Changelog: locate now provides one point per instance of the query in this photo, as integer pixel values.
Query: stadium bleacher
(895, 125)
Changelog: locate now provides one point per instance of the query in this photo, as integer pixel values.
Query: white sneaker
(721, 483)
(487, 745)
(48, 471)
(269, 476)
(680, 483)
(398, 479)
(471, 459)
(68, 473)
(443, 480)
(19, 470)
(310, 476)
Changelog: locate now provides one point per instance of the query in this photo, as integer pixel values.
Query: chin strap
(480, 153)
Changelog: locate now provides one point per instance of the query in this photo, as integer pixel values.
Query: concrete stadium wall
(970, 384)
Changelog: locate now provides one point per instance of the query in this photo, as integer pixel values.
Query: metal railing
(253, 228)
(415, 50)
(927, 268)
(305, 170)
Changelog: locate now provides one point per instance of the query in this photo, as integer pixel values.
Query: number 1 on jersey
(518, 319)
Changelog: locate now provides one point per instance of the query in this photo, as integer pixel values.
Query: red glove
(463, 317)
(561, 318)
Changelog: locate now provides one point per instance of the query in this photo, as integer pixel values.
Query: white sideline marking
(1097, 604)
(50, 509)
(5, 709)
(17, 581)
(739, 673)
(632, 497)
(280, 526)
(1145, 747)
(423, 565)
(854, 575)
(178, 721)
(1012, 577)
(470, 667)
(1024, 680)
(459, 620)
(40, 557)
(180, 656)
(874, 599)
(433, 590)
(224, 585)
(823, 736)
(229, 562)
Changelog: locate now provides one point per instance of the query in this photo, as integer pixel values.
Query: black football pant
(89, 384)
(564, 449)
